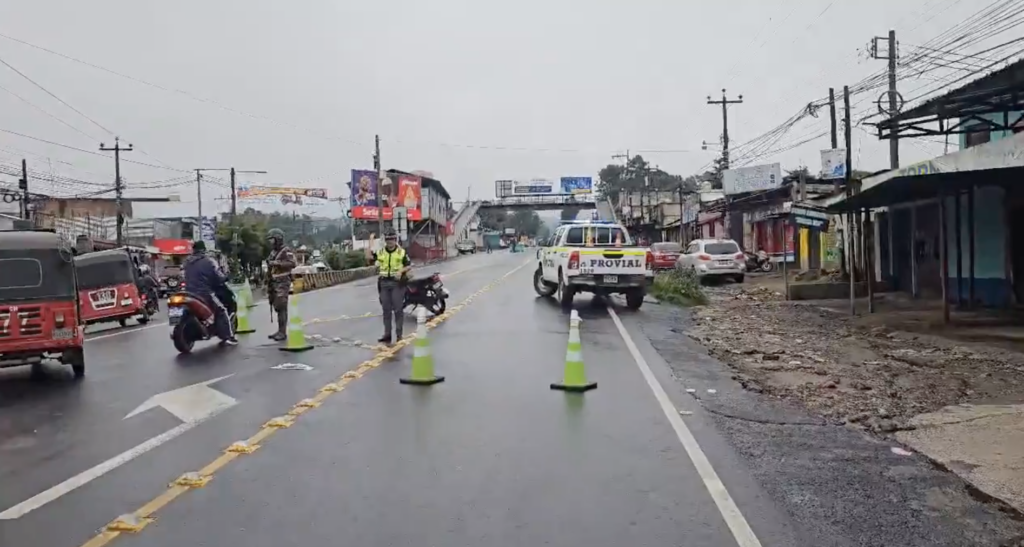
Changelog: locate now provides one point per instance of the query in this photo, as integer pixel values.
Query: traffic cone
(296, 340)
(422, 360)
(250, 301)
(575, 376)
(242, 314)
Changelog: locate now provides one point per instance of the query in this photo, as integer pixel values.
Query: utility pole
(725, 102)
(380, 177)
(891, 54)
(23, 185)
(234, 191)
(199, 194)
(832, 112)
(849, 193)
(118, 187)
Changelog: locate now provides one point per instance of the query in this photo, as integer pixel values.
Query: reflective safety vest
(389, 264)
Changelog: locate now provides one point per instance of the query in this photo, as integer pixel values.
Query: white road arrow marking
(192, 404)
(189, 403)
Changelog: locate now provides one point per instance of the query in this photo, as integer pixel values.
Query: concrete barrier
(319, 280)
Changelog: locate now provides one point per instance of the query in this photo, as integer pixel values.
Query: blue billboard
(577, 185)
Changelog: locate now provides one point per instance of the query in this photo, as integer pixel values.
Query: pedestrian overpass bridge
(541, 203)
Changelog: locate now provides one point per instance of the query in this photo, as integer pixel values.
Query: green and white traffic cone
(296, 340)
(242, 314)
(575, 377)
(250, 301)
(422, 359)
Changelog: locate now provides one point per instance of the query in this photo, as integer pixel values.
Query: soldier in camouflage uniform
(281, 262)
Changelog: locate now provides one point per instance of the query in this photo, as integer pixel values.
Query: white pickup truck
(595, 257)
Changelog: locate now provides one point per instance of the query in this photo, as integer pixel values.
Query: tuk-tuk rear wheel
(76, 358)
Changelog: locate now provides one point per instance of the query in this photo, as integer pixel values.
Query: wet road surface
(491, 456)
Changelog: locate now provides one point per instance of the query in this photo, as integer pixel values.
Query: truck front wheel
(542, 287)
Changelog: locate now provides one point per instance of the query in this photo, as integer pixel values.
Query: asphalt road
(491, 456)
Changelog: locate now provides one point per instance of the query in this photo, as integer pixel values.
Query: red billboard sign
(404, 191)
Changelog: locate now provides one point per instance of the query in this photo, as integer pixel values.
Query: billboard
(399, 191)
(503, 188)
(577, 185)
(752, 179)
(533, 188)
(246, 192)
(833, 164)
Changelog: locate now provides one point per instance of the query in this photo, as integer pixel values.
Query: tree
(638, 175)
(525, 222)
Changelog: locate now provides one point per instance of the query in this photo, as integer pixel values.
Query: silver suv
(714, 258)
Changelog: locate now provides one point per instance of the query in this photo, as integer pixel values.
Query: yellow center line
(137, 520)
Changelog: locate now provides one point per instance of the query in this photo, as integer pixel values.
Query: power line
(50, 93)
(84, 151)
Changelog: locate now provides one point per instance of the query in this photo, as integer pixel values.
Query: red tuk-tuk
(107, 288)
(39, 316)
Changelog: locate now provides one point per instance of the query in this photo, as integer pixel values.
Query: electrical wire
(51, 94)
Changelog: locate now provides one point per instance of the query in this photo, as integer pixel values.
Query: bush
(338, 260)
(680, 288)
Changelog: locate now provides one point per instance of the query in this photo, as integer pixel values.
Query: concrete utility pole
(23, 186)
(725, 124)
(380, 178)
(234, 191)
(891, 55)
(849, 193)
(832, 113)
(118, 187)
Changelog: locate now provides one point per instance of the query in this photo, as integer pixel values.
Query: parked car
(720, 258)
(466, 246)
(665, 254)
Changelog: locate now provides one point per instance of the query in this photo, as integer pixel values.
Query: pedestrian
(393, 264)
(279, 280)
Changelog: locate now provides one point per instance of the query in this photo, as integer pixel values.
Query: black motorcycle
(428, 292)
(150, 306)
(191, 320)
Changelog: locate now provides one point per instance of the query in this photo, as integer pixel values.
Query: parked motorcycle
(759, 261)
(191, 320)
(428, 292)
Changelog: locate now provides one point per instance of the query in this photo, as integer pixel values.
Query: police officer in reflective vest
(392, 266)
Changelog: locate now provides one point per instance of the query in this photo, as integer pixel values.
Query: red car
(665, 255)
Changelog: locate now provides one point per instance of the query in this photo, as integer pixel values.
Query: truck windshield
(596, 236)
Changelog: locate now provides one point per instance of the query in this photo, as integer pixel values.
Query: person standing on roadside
(393, 264)
(281, 263)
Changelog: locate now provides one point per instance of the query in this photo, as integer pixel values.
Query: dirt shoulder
(873, 378)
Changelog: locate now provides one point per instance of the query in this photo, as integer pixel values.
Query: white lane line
(120, 332)
(741, 530)
(83, 478)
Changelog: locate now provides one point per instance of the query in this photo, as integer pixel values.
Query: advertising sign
(208, 231)
(533, 188)
(577, 185)
(503, 188)
(752, 179)
(404, 191)
(833, 164)
(245, 192)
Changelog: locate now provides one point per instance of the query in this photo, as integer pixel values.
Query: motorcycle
(428, 292)
(150, 307)
(191, 320)
(759, 261)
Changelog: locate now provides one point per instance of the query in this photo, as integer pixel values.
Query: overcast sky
(471, 91)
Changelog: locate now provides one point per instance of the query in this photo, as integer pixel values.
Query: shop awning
(998, 162)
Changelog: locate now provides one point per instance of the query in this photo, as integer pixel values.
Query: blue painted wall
(991, 287)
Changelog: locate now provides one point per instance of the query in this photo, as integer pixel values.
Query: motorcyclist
(204, 279)
(148, 285)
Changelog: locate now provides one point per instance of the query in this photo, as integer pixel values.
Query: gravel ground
(871, 378)
(840, 484)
